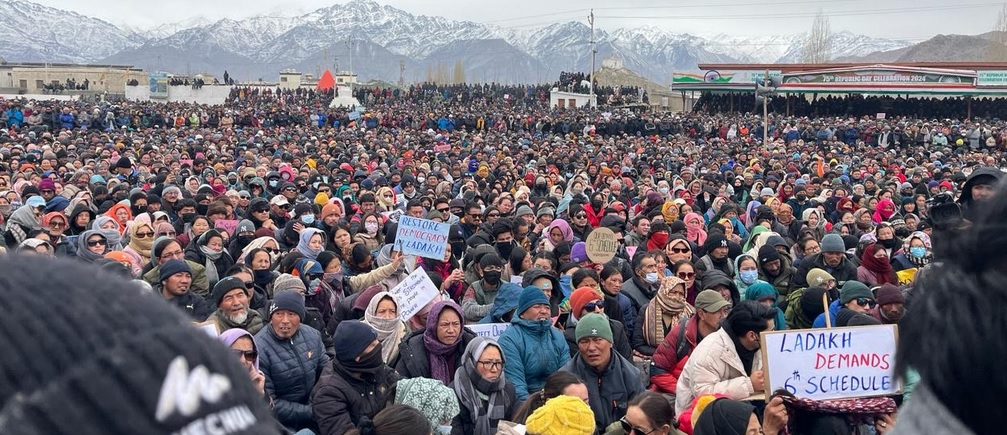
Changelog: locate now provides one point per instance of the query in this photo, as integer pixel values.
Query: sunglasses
(594, 305)
(632, 430)
(248, 355)
(265, 210)
(865, 302)
(93, 243)
(493, 215)
(387, 196)
(285, 207)
(444, 210)
(681, 250)
(245, 197)
(580, 216)
(269, 250)
(57, 225)
(686, 275)
(324, 191)
(290, 189)
(168, 234)
(249, 284)
(144, 235)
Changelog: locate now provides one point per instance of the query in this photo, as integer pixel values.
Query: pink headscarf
(695, 232)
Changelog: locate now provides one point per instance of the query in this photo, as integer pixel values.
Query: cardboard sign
(442, 148)
(601, 245)
(836, 363)
(422, 237)
(516, 279)
(393, 215)
(228, 225)
(413, 293)
(881, 116)
(490, 330)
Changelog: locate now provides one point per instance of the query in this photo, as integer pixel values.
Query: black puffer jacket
(413, 361)
(341, 399)
(291, 367)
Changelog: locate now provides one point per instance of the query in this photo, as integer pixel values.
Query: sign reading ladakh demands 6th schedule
(413, 293)
(601, 245)
(836, 363)
(425, 238)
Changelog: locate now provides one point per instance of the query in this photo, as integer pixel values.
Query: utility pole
(765, 116)
(594, 51)
(351, 44)
(402, 73)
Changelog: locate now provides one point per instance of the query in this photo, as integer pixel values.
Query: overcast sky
(897, 19)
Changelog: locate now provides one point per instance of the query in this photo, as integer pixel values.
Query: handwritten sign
(601, 245)
(413, 293)
(835, 363)
(228, 225)
(516, 279)
(489, 330)
(422, 237)
(442, 148)
(393, 215)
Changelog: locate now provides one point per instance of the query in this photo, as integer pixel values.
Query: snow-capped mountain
(378, 38)
(32, 32)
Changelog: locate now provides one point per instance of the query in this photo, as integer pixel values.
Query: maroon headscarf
(442, 357)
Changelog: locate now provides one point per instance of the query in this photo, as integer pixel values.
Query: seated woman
(382, 315)
(661, 315)
(435, 351)
(208, 251)
(484, 394)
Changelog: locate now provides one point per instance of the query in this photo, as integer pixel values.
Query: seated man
(611, 380)
(232, 298)
(532, 347)
(292, 357)
(727, 362)
(176, 280)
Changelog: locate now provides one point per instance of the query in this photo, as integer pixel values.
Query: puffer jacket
(340, 400)
(667, 366)
(610, 391)
(619, 332)
(533, 351)
(291, 368)
(413, 360)
(715, 368)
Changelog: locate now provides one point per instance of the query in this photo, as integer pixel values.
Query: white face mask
(371, 227)
(652, 277)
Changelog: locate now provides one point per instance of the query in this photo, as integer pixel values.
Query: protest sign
(516, 279)
(489, 330)
(413, 293)
(422, 237)
(630, 250)
(442, 147)
(228, 225)
(392, 215)
(834, 363)
(601, 245)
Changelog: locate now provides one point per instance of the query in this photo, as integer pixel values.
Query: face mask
(273, 183)
(663, 190)
(749, 276)
(188, 217)
(918, 251)
(457, 249)
(443, 430)
(802, 197)
(302, 189)
(262, 277)
(491, 278)
(331, 277)
(421, 179)
(137, 210)
(504, 249)
(308, 219)
(565, 285)
(888, 244)
(313, 286)
(371, 227)
(652, 278)
(367, 361)
(596, 204)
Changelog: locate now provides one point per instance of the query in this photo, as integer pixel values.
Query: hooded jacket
(715, 277)
(968, 211)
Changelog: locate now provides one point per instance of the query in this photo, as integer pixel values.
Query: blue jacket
(291, 368)
(532, 351)
(15, 117)
(66, 120)
(834, 308)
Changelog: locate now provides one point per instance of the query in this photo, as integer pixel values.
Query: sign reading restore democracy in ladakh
(832, 363)
(422, 237)
(413, 293)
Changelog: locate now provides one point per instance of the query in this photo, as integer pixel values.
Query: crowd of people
(271, 220)
(858, 105)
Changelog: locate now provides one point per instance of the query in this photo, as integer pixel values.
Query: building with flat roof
(32, 77)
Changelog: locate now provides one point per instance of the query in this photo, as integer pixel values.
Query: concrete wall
(99, 78)
(208, 94)
(570, 99)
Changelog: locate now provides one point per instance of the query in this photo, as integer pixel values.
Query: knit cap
(833, 243)
(171, 267)
(351, 339)
(594, 325)
(578, 254)
(853, 290)
(562, 415)
(126, 368)
(530, 296)
(289, 300)
(287, 281)
(817, 277)
(715, 240)
(889, 294)
(430, 397)
(224, 286)
(524, 210)
(581, 297)
(768, 253)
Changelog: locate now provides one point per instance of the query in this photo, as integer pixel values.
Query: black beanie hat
(351, 338)
(768, 253)
(714, 241)
(113, 362)
(359, 253)
(224, 286)
(123, 162)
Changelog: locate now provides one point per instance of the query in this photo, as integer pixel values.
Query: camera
(945, 213)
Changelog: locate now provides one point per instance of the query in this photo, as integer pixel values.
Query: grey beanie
(524, 210)
(833, 243)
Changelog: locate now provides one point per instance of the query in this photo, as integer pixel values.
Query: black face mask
(504, 249)
(302, 189)
(596, 204)
(368, 361)
(137, 210)
(491, 278)
(802, 197)
(457, 248)
(262, 277)
(888, 243)
(188, 217)
(202, 208)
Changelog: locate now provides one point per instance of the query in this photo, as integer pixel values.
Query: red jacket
(666, 356)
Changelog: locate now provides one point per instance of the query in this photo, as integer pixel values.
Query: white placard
(490, 330)
(413, 293)
(516, 279)
(832, 363)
